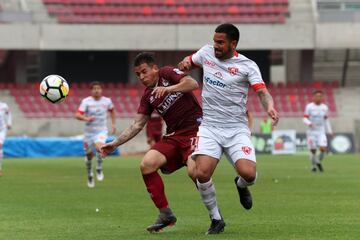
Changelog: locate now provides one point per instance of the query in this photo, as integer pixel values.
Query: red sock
(155, 187)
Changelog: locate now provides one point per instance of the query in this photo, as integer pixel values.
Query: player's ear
(155, 67)
(233, 44)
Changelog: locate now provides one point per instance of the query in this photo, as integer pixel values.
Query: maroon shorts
(177, 148)
(154, 137)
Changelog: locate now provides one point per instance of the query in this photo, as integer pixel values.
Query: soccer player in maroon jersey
(168, 91)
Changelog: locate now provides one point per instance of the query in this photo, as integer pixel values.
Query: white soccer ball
(54, 88)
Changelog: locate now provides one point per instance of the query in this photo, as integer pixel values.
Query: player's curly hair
(144, 57)
(230, 30)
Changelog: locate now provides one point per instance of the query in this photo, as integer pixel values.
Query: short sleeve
(172, 74)
(197, 58)
(254, 77)
(145, 106)
(82, 107)
(110, 105)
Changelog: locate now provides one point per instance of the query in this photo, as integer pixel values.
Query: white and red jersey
(97, 109)
(316, 116)
(225, 87)
(5, 116)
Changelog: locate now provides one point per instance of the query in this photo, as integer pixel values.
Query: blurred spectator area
(168, 11)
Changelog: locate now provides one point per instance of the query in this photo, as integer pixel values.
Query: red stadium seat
(168, 11)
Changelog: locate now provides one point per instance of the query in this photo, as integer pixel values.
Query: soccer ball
(54, 88)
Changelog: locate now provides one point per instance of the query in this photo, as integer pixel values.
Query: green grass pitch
(48, 199)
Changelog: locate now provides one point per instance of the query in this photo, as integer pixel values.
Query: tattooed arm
(130, 132)
(268, 104)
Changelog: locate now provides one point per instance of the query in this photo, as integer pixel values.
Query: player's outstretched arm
(130, 132)
(186, 84)
(185, 64)
(113, 121)
(268, 104)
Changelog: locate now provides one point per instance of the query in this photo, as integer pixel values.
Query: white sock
(242, 183)
(99, 161)
(88, 167)
(208, 195)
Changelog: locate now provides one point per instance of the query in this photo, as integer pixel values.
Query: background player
(154, 129)
(5, 124)
(168, 91)
(316, 118)
(227, 77)
(94, 110)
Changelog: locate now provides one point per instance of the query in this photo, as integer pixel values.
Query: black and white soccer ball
(54, 88)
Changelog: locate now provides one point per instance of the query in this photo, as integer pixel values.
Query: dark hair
(232, 32)
(144, 57)
(318, 91)
(95, 83)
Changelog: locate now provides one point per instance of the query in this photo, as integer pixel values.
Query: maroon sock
(155, 187)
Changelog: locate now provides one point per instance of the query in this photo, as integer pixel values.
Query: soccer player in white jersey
(227, 77)
(94, 111)
(5, 124)
(316, 118)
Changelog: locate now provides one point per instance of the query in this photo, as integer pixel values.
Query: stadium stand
(168, 11)
(290, 99)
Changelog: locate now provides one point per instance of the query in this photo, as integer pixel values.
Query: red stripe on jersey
(192, 63)
(258, 86)
(306, 116)
(81, 112)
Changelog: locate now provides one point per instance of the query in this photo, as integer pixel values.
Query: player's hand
(185, 64)
(90, 119)
(274, 115)
(113, 129)
(160, 91)
(107, 148)
(331, 135)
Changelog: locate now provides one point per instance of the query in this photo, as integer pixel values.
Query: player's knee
(202, 174)
(89, 155)
(249, 177)
(147, 167)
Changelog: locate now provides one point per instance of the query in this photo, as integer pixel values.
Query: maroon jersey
(180, 111)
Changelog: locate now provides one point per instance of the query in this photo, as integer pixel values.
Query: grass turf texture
(49, 199)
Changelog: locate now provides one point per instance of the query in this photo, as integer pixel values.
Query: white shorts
(2, 136)
(234, 142)
(90, 140)
(316, 139)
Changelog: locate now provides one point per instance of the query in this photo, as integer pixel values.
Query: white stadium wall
(149, 36)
